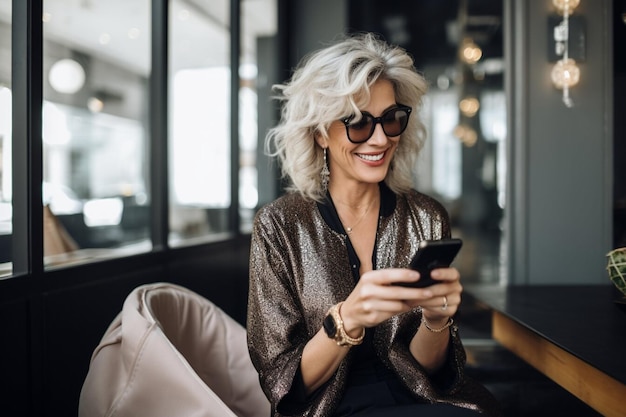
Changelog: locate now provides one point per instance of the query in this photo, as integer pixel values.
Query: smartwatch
(333, 326)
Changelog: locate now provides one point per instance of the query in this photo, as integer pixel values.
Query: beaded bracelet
(445, 326)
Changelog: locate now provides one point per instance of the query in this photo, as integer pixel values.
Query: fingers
(406, 276)
(445, 297)
(376, 298)
(390, 276)
(442, 304)
(382, 284)
(446, 274)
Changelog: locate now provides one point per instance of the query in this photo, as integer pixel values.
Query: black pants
(391, 399)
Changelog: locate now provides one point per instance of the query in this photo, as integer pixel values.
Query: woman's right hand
(375, 298)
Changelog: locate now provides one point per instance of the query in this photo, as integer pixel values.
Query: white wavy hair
(333, 83)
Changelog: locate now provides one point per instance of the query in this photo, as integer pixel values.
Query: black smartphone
(432, 254)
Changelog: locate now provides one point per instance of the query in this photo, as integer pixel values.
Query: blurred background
(131, 151)
(97, 65)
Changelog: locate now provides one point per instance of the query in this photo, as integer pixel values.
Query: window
(459, 49)
(258, 35)
(100, 136)
(96, 66)
(6, 207)
(199, 147)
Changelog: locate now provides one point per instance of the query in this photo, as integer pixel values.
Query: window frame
(27, 153)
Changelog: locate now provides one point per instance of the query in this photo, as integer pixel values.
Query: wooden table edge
(600, 391)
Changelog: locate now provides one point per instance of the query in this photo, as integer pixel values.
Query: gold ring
(445, 303)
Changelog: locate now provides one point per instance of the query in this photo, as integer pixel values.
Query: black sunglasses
(393, 121)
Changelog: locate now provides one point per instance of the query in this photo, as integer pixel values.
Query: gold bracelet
(333, 325)
(445, 326)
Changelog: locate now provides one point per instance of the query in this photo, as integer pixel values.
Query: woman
(328, 331)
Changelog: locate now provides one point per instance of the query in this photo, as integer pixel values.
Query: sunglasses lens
(361, 130)
(395, 121)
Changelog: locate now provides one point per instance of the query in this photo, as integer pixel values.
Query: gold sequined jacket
(299, 267)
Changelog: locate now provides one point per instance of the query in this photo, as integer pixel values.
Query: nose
(378, 136)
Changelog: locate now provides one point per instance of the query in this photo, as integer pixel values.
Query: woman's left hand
(429, 347)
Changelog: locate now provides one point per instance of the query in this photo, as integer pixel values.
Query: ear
(321, 141)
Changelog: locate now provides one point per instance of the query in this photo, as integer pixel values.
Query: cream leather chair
(171, 352)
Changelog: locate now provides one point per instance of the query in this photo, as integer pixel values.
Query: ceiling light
(466, 134)
(469, 106)
(66, 76)
(443, 82)
(470, 52)
(95, 105)
(565, 6)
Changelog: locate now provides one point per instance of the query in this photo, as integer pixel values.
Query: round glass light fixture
(565, 73)
(95, 105)
(470, 52)
(466, 134)
(562, 5)
(443, 82)
(469, 106)
(248, 71)
(66, 76)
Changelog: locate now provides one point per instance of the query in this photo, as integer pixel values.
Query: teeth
(372, 157)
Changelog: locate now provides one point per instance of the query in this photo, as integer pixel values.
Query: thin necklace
(349, 229)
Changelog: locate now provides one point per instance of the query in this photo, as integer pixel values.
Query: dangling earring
(325, 174)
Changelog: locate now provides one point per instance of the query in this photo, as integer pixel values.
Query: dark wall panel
(619, 133)
(14, 358)
(220, 276)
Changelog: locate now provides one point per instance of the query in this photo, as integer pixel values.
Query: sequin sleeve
(292, 255)
(273, 314)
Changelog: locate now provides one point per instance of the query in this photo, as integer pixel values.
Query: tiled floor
(521, 390)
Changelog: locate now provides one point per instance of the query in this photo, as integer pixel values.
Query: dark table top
(588, 321)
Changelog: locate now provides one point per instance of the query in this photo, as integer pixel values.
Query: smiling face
(368, 162)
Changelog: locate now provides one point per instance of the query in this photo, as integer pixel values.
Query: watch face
(330, 326)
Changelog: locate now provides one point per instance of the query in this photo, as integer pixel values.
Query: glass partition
(199, 120)
(96, 67)
(6, 208)
(95, 124)
(458, 46)
(258, 37)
